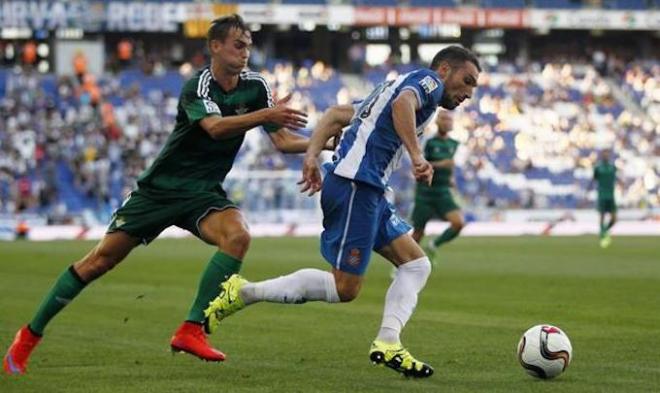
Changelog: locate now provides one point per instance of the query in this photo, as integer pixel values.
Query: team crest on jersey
(353, 257)
(428, 84)
(211, 107)
(242, 109)
(119, 221)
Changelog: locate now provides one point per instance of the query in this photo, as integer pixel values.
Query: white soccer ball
(544, 351)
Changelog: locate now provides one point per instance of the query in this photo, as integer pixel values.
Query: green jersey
(191, 160)
(437, 149)
(605, 175)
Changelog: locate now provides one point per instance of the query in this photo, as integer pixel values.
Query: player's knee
(347, 292)
(420, 267)
(458, 225)
(96, 263)
(238, 241)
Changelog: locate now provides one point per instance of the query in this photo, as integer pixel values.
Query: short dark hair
(454, 55)
(221, 27)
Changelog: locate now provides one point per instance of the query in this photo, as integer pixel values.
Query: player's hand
(287, 117)
(311, 180)
(422, 170)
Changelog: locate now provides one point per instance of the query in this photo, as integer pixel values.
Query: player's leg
(111, 250)
(456, 224)
(349, 229)
(421, 214)
(613, 217)
(412, 273)
(606, 238)
(216, 220)
(448, 210)
(395, 244)
(228, 230)
(414, 269)
(601, 216)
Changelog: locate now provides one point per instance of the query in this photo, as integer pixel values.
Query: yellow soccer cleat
(225, 304)
(605, 241)
(396, 357)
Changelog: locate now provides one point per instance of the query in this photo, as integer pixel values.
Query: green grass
(487, 291)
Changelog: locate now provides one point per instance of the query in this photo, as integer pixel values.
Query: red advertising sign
(469, 17)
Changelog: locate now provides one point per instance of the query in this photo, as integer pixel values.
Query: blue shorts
(356, 219)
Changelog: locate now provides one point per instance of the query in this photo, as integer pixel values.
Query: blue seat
(629, 4)
(313, 2)
(560, 4)
(503, 3)
(432, 3)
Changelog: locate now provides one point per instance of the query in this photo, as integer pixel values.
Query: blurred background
(88, 95)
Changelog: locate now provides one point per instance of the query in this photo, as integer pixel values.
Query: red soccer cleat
(190, 338)
(16, 359)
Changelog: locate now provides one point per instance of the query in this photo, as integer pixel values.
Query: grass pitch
(485, 293)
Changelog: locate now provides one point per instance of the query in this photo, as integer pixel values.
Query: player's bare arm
(330, 125)
(221, 127)
(288, 142)
(403, 115)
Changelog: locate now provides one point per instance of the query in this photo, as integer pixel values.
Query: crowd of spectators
(530, 137)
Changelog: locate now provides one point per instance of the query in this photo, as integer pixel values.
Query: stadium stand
(529, 138)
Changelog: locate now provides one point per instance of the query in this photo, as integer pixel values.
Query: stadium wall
(509, 223)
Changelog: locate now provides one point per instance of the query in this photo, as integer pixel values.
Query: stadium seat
(432, 3)
(503, 3)
(557, 4)
(629, 4)
(310, 2)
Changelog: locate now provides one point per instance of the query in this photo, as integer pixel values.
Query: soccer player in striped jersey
(183, 187)
(357, 218)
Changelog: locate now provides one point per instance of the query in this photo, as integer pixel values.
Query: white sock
(401, 298)
(298, 287)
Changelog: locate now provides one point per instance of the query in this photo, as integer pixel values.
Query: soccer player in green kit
(183, 188)
(605, 175)
(436, 200)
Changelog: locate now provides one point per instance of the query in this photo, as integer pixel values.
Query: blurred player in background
(357, 218)
(605, 176)
(183, 188)
(435, 200)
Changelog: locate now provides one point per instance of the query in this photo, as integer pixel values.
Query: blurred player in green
(183, 187)
(605, 176)
(435, 200)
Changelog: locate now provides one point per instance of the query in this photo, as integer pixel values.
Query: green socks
(67, 287)
(220, 268)
(69, 284)
(446, 236)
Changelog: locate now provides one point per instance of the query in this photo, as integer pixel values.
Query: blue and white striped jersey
(370, 148)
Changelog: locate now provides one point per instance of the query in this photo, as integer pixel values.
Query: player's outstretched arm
(221, 127)
(330, 125)
(288, 142)
(403, 115)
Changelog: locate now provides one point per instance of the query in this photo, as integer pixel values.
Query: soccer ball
(544, 351)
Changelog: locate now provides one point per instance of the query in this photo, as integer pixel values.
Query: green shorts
(606, 205)
(432, 206)
(145, 213)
